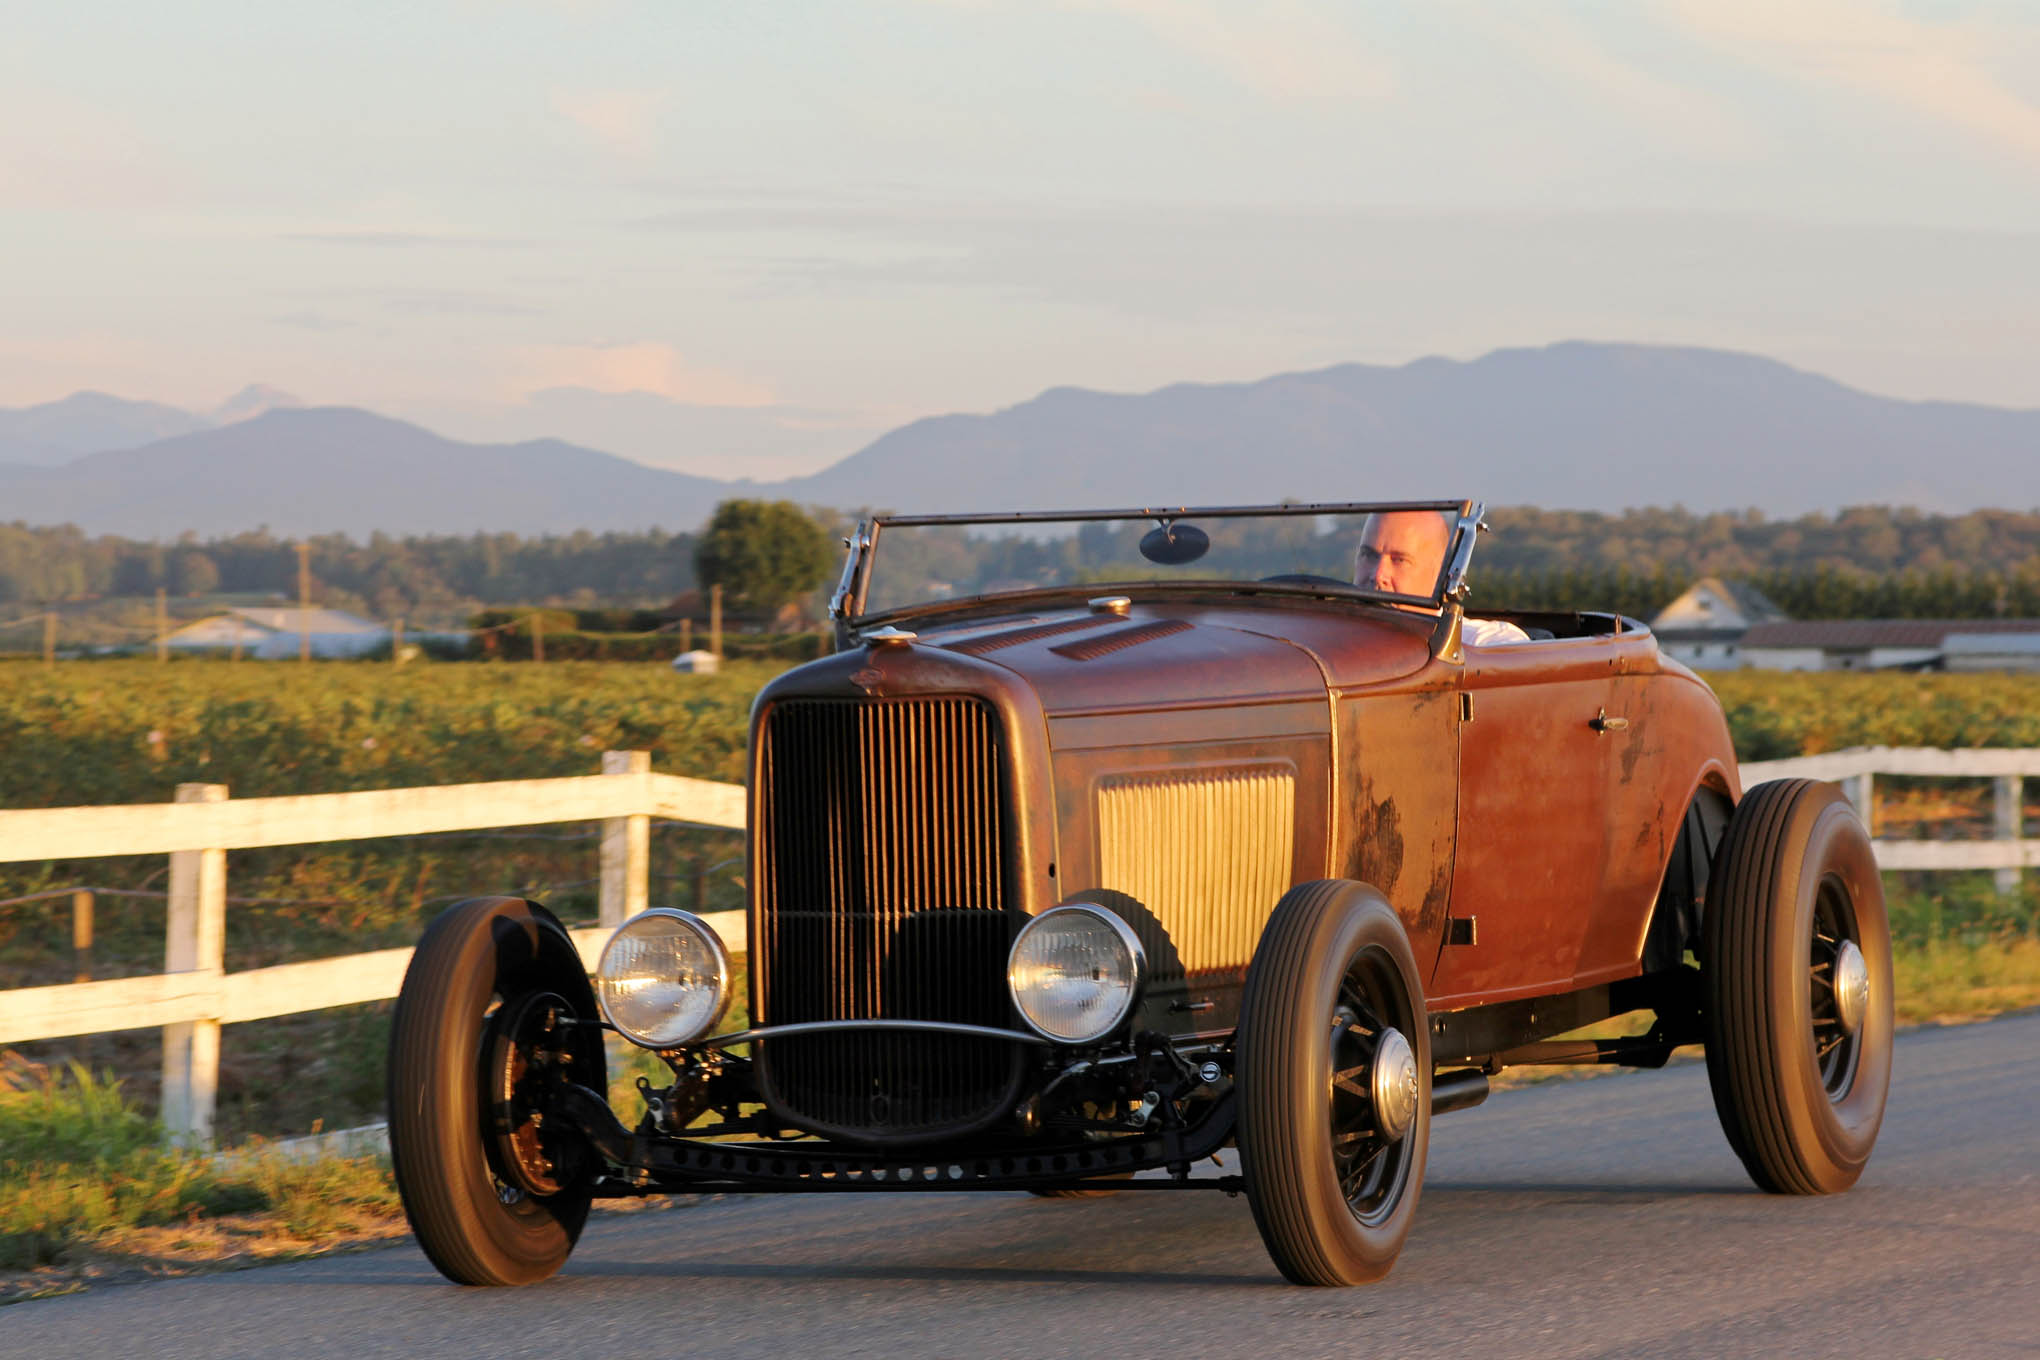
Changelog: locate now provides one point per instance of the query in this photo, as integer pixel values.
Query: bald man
(1402, 552)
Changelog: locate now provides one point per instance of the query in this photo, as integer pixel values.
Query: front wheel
(495, 1010)
(1796, 958)
(1333, 1072)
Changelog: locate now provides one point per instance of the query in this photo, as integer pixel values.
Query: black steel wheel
(1333, 1069)
(487, 1023)
(1796, 957)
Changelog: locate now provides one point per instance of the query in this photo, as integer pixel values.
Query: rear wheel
(1333, 1073)
(1796, 952)
(495, 1010)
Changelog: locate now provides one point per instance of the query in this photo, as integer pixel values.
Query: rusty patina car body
(1515, 840)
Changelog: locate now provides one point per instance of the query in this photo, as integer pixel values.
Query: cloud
(318, 322)
(448, 302)
(621, 121)
(1285, 49)
(647, 366)
(1941, 70)
(1562, 46)
(405, 240)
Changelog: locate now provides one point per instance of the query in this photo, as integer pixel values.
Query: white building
(1704, 627)
(275, 634)
(1888, 644)
(1991, 651)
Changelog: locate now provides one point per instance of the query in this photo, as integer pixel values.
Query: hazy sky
(743, 237)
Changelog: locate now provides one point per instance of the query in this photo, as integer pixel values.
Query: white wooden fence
(195, 995)
(1856, 771)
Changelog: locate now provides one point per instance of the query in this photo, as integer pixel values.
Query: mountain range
(1580, 425)
(58, 432)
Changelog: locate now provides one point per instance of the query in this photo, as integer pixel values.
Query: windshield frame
(846, 605)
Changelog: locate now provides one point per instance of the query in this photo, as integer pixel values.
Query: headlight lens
(1075, 972)
(664, 978)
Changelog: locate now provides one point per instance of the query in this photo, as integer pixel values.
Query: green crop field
(94, 732)
(1773, 715)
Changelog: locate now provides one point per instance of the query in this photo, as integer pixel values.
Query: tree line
(1863, 562)
(385, 576)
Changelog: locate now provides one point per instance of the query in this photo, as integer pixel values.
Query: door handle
(1601, 722)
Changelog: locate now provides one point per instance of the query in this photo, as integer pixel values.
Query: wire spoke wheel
(1796, 976)
(1372, 1160)
(1835, 969)
(1333, 1075)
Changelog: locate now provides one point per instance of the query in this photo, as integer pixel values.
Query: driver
(1402, 552)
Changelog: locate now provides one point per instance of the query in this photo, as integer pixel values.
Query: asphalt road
(1602, 1217)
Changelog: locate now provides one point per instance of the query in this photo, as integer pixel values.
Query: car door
(1532, 821)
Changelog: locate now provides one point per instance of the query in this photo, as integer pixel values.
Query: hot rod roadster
(1105, 842)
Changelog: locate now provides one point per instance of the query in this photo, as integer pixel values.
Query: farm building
(1991, 651)
(274, 634)
(1704, 627)
(1889, 644)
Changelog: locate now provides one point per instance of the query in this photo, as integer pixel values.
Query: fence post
(2008, 822)
(626, 848)
(81, 935)
(194, 941)
(1861, 790)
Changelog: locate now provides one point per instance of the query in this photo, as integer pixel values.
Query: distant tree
(140, 571)
(764, 554)
(193, 573)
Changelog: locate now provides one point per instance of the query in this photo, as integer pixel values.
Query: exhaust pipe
(1461, 1090)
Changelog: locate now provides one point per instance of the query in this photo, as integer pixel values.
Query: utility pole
(715, 618)
(162, 626)
(304, 598)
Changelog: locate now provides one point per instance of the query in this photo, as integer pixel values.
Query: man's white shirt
(1488, 632)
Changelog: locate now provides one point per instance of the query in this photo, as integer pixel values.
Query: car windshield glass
(1388, 551)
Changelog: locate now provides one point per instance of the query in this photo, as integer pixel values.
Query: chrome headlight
(664, 978)
(1075, 972)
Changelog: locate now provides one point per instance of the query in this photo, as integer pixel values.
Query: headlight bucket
(1076, 972)
(664, 978)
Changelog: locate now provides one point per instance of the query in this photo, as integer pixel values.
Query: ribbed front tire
(1333, 972)
(1799, 1095)
(473, 1222)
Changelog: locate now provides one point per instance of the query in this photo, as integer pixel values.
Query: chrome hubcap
(1393, 1085)
(1852, 986)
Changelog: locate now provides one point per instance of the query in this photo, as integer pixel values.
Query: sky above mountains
(743, 240)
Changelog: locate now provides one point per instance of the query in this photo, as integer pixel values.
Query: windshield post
(1445, 638)
(843, 604)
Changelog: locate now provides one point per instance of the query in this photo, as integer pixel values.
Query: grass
(1952, 982)
(88, 1191)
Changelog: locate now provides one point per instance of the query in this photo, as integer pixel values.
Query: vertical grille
(1206, 850)
(882, 895)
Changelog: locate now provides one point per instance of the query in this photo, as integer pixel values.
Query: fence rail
(1856, 770)
(195, 995)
